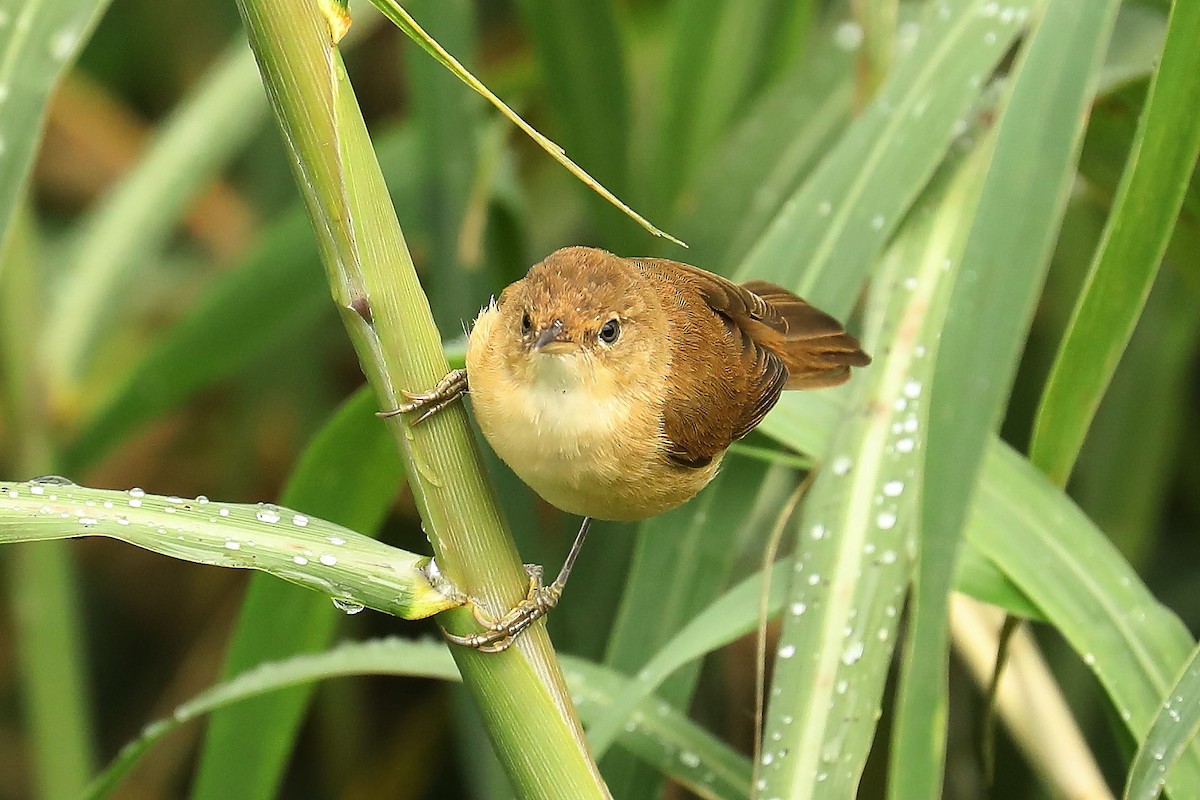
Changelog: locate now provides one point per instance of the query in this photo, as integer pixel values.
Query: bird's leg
(504, 631)
(447, 390)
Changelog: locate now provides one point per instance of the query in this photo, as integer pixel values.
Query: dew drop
(818, 531)
(301, 560)
(689, 759)
(336, 540)
(230, 544)
(886, 520)
(798, 608)
(328, 560)
(267, 513)
(300, 521)
(347, 606)
(905, 445)
(787, 651)
(853, 654)
(893, 488)
(877, 222)
(841, 465)
(136, 492)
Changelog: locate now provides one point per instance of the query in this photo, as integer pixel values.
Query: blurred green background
(214, 355)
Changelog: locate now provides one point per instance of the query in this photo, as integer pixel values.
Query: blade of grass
(661, 735)
(1135, 238)
(47, 632)
(1174, 727)
(1079, 582)
(717, 53)
(1022, 202)
(276, 290)
(580, 53)
(700, 541)
(406, 23)
(448, 122)
(840, 218)
(53, 665)
(855, 544)
(38, 43)
(742, 187)
(1135, 646)
(520, 692)
(246, 747)
(305, 550)
(115, 241)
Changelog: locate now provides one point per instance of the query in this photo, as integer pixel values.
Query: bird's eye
(610, 331)
(526, 323)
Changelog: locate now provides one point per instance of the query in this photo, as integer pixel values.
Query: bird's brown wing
(705, 412)
(751, 334)
(814, 346)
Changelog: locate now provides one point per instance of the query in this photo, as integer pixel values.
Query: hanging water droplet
(347, 606)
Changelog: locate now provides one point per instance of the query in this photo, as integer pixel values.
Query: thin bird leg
(504, 631)
(448, 389)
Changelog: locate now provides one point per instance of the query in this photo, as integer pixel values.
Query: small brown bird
(613, 386)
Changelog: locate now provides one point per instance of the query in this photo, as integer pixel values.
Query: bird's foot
(502, 632)
(447, 390)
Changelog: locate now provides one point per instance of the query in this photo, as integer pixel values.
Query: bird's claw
(500, 633)
(447, 390)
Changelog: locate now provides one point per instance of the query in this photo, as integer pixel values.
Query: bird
(613, 386)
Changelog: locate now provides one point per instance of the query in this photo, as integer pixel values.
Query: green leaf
(580, 53)
(448, 121)
(1017, 219)
(660, 735)
(840, 218)
(348, 474)
(1135, 646)
(38, 42)
(1174, 728)
(276, 291)
(244, 312)
(700, 541)
(855, 543)
(114, 244)
(1139, 228)
(737, 191)
(304, 550)
(393, 11)
(719, 50)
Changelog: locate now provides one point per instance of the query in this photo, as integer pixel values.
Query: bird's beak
(548, 341)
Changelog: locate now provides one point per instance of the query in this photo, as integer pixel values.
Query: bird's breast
(576, 435)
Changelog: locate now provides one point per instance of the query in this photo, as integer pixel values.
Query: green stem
(520, 693)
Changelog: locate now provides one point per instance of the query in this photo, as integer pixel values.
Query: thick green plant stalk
(521, 693)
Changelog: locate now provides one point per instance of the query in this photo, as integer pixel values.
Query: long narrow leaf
(1135, 239)
(1174, 728)
(38, 42)
(246, 748)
